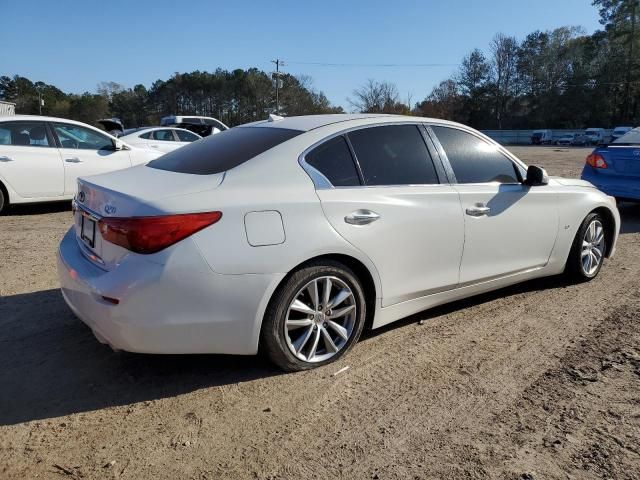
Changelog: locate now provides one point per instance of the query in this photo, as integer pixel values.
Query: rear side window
(632, 137)
(163, 135)
(27, 134)
(333, 159)
(473, 160)
(393, 155)
(146, 136)
(223, 151)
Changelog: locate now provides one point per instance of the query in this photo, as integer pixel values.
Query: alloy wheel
(320, 319)
(592, 248)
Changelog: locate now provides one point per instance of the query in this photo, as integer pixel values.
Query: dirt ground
(537, 381)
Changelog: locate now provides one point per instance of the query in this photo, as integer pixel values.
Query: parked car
(114, 126)
(619, 131)
(42, 157)
(595, 136)
(292, 234)
(160, 138)
(203, 126)
(572, 139)
(542, 137)
(615, 168)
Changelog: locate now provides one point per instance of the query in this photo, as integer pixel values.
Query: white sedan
(290, 235)
(162, 139)
(41, 158)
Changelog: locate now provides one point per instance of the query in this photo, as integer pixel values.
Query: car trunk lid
(133, 192)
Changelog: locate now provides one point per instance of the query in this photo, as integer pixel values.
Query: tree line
(560, 78)
(555, 79)
(235, 97)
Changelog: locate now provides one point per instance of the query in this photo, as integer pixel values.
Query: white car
(291, 235)
(41, 158)
(161, 138)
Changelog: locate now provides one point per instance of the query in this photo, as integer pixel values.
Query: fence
(523, 137)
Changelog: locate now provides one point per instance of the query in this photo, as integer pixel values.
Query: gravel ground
(540, 380)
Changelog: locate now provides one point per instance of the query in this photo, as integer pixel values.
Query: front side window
(163, 135)
(473, 160)
(187, 136)
(81, 138)
(333, 160)
(26, 134)
(223, 151)
(393, 155)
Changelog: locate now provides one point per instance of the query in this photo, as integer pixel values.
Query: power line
(393, 65)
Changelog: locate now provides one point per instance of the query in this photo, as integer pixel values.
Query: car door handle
(73, 160)
(478, 210)
(361, 217)
(4, 158)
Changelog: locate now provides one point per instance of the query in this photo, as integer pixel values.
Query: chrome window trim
(322, 183)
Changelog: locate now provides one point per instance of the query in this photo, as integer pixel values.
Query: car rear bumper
(164, 308)
(614, 185)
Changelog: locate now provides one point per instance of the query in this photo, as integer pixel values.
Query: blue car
(615, 168)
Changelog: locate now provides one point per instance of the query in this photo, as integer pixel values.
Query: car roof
(40, 118)
(306, 123)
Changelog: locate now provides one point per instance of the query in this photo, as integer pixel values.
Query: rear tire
(4, 201)
(308, 325)
(588, 249)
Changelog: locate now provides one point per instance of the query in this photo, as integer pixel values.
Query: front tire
(588, 249)
(314, 317)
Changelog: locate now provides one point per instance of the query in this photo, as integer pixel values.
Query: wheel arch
(5, 192)
(363, 273)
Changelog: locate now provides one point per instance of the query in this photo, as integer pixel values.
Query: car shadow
(630, 216)
(39, 208)
(52, 365)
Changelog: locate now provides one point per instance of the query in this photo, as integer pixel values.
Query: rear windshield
(632, 137)
(223, 151)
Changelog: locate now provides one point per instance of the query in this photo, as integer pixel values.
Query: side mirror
(536, 176)
(118, 145)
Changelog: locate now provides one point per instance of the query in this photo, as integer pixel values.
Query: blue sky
(76, 44)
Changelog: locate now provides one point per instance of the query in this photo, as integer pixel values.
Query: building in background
(7, 108)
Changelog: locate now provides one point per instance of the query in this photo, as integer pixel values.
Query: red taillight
(596, 160)
(152, 234)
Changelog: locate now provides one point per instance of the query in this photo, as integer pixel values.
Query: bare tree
(504, 62)
(376, 97)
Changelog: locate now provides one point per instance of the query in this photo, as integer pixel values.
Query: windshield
(223, 151)
(632, 137)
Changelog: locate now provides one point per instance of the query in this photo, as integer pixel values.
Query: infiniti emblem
(81, 196)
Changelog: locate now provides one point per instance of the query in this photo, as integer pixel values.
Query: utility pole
(278, 63)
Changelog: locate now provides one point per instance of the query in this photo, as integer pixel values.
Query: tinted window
(28, 134)
(186, 136)
(393, 155)
(74, 136)
(146, 135)
(223, 151)
(473, 160)
(333, 159)
(163, 135)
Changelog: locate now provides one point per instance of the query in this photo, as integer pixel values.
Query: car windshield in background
(632, 137)
(223, 151)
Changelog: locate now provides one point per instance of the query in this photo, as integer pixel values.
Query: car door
(30, 163)
(85, 152)
(163, 140)
(185, 137)
(381, 190)
(509, 227)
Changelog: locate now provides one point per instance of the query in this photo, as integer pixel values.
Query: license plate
(88, 230)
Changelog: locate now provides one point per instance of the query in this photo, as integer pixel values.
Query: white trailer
(7, 108)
